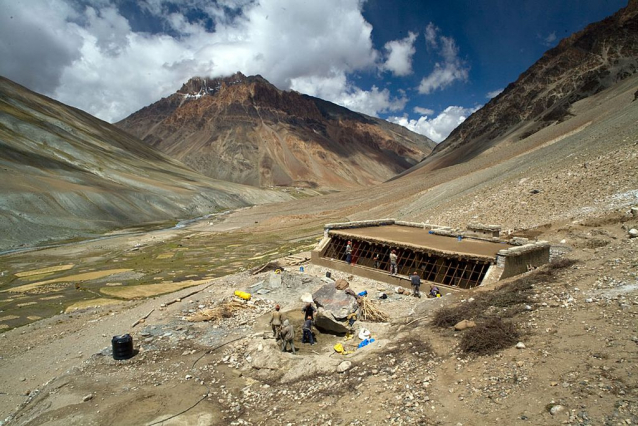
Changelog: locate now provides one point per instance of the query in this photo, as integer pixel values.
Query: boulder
(325, 322)
(306, 298)
(344, 366)
(274, 281)
(633, 233)
(462, 325)
(337, 302)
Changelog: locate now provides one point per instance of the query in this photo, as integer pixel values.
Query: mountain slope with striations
(65, 173)
(581, 65)
(243, 129)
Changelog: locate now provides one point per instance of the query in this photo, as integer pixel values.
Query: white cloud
(371, 102)
(431, 35)
(447, 72)
(439, 127)
(37, 41)
(400, 52)
(550, 39)
(338, 90)
(493, 93)
(423, 111)
(85, 53)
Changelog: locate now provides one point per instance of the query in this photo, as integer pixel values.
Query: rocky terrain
(583, 64)
(575, 361)
(66, 174)
(569, 358)
(243, 129)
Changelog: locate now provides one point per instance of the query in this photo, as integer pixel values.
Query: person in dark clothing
(377, 263)
(349, 252)
(309, 311)
(416, 284)
(307, 331)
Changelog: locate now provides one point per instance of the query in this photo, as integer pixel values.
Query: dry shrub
(561, 263)
(448, 316)
(508, 297)
(549, 271)
(504, 302)
(410, 345)
(489, 337)
(226, 312)
(511, 294)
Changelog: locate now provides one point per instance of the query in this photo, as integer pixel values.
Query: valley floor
(579, 335)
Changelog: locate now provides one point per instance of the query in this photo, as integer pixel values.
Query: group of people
(415, 279)
(377, 261)
(284, 330)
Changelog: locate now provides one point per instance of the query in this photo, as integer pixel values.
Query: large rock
(325, 322)
(338, 302)
(342, 284)
(344, 366)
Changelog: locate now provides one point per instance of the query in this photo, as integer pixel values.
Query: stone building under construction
(441, 255)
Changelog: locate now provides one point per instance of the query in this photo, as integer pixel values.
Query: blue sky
(423, 64)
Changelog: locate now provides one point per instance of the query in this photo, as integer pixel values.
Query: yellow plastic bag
(339, 348)
(243, 294)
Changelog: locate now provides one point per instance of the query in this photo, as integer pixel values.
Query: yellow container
(242, 294)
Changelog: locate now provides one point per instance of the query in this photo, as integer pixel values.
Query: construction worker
(307, 331)
(288, 337)
(349, 252)
(275, 322)
(393, 262)
(416, 284)
(434, 291)
(309, 311)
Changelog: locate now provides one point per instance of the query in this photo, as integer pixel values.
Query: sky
(424, 64)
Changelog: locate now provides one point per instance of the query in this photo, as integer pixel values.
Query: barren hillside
(67, 174)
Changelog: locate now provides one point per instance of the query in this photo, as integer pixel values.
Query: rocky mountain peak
(200, 86)
(244, 129)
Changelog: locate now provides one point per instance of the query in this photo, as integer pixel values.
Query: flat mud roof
(422, 239)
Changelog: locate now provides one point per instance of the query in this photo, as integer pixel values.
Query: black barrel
(122, 346)
(328, 274)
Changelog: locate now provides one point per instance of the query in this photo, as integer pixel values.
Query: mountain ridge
(244, 129)
(581, 65)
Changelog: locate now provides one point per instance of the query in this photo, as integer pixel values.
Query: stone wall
(487, 230)
(517, 260)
